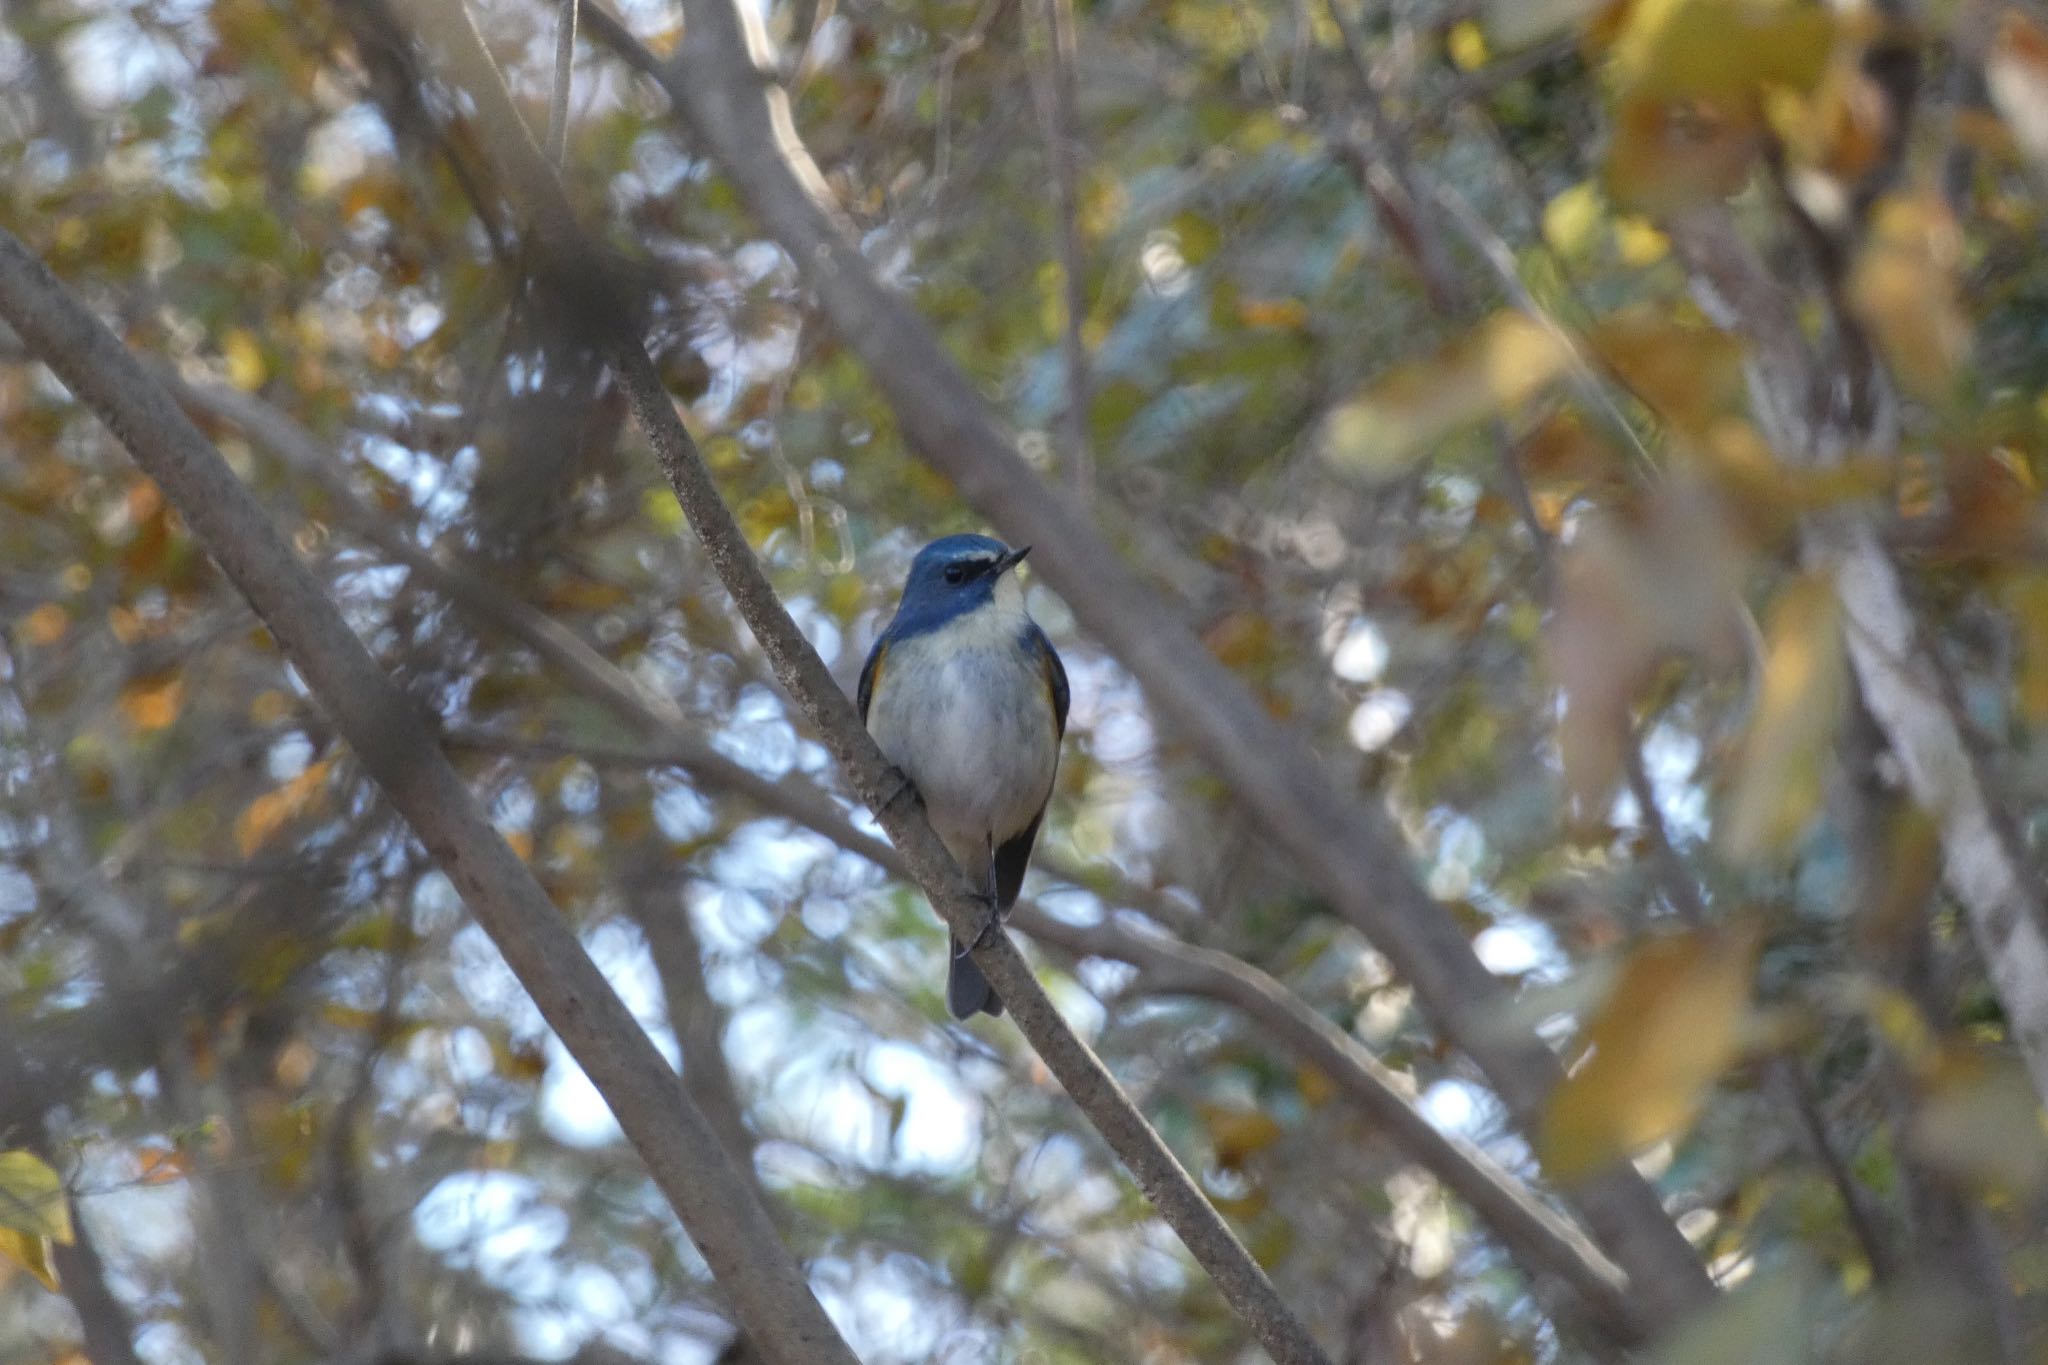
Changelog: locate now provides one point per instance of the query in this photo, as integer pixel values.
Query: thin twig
(1813, 1128)
(565, 63)
(1063, 151)
(1680, 889)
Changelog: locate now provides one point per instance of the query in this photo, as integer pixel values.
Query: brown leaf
(1665, 156)
(153, 702)
(1688, 373)
(1906, 287)
(1670, 1026)
(2016, 75)
(1633, 591)
(158, 1165)
(1395, 421)
(45, 625)
(1778, 776)
(271, 811)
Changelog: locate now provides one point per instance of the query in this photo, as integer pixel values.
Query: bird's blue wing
(1014, 853)
(1055, 674)
(871, 674)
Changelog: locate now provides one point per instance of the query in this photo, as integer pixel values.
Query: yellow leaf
(1572, 218)
(32, 1197)
(30, 1253)
(1844, 128)
(1671, 1025)
(1466, 44)
(1906, 287)
(1979, 1121)
(46, 624)
(1715, 49)
(661, 509)
(1638, 242)
(151, 703)
(246, 370)
(580, 593)
(2028, 599)
(1239, 1131)
(1393, 422)
(1784, 755)
(1895, 1017)
(269, 812)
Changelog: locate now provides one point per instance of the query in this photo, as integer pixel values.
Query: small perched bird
(964, 693)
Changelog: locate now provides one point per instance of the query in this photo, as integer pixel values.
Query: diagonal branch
(1350, 852)
(1542, 1239)
(730, 1228)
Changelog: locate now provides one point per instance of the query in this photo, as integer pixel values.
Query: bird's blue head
(952, 576)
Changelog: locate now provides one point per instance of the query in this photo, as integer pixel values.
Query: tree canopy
(1540, 505)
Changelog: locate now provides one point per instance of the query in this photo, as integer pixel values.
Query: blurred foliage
(1399, 394)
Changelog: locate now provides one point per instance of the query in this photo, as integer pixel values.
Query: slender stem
(1063, 150)
(1676, 880)
(565, 63)
(1813, 1127)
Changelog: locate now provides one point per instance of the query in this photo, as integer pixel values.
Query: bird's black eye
(956, 573)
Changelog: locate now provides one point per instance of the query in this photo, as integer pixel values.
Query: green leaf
(32, 1198)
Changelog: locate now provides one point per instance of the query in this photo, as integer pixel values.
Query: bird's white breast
(965, 711)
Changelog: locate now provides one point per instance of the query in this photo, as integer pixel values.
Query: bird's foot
(992, 921)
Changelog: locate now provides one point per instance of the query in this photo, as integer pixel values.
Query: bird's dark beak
(1011, 560)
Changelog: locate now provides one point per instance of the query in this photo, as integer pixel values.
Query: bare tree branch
(1541, 1238)
(1350, 852)
(729, 1227)
(698, 1022)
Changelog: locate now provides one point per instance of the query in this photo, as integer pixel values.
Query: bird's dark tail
(967, 990)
